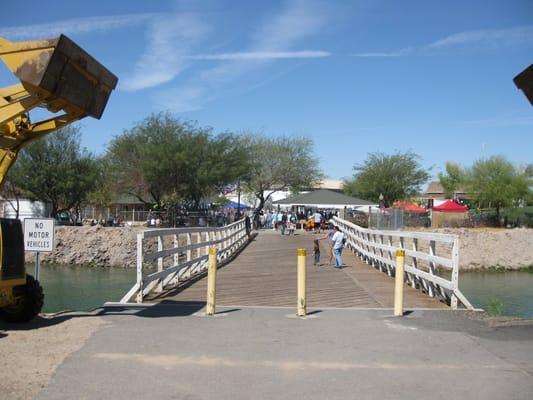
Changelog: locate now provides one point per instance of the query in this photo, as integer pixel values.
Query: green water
(82, 288)
(510, 292)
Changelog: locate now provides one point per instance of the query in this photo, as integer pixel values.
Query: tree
(11, 196)
(279, 164)
(396, 177)
(103, 194)
(495, 182)
(56, 170)
(167, 161)
(452, 180)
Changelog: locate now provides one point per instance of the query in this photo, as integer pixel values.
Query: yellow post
(398, 283)
(301, 253)
(212, 281)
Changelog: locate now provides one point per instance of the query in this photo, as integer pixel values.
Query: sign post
(38, 238)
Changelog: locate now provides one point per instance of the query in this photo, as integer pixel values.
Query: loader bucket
(60, 73)
(524, 81)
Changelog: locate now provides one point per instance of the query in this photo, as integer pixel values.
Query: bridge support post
(398, 283)
(302, 301)
(212, 281)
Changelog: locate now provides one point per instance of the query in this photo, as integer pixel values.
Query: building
(435, 194)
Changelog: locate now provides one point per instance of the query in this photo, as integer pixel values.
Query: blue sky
(434, 77)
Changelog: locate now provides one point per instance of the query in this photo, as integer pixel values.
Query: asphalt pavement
(173, 351)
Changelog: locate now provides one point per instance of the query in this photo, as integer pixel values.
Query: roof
(434, 187)
(236, 205)
(450, 206)
(409, 207)
(334, 184)
(324, 197)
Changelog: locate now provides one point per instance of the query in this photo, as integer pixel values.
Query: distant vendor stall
(449, 213)
(325, 200)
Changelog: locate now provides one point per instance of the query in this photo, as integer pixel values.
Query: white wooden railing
(431, 259)
(180, 254)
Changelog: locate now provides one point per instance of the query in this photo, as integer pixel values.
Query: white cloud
(300, 19)
(487, 37)
(262, 55)
(73, 26)
(170, 39)
(493, 37)
(398, 53)
(183, 100)
(274, 39)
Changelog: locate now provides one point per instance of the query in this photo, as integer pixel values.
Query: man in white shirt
(338, 245)
(317, 219)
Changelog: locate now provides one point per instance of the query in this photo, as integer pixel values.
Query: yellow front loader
(61, 77)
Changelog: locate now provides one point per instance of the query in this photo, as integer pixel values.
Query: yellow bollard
(398, 283)
(212, 281)
(301, 253)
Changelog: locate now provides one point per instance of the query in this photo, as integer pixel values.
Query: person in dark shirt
(316, 252)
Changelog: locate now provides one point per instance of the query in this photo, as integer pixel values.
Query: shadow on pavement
(166, 308)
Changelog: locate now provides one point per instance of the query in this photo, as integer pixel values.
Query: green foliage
(169, 161)
(102, 195)
(397, 176)
(452, 180)
(495, 307)
(495, 182)
(56, 170)
(221, 201)
(279, 164)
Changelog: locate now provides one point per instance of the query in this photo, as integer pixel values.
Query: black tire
(30, 300)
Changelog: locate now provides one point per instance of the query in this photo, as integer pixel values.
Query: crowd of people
(316, 221)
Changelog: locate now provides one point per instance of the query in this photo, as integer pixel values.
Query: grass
(495, 307)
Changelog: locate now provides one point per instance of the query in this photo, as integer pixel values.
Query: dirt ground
(480, 248)
(30, 353)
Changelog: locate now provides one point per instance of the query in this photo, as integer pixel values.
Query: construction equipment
(60, 76)
(524, 82)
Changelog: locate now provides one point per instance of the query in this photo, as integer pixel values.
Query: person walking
(291, 221)
(317, 218)
(316, 252)
(338, 245)
(329, 236)
(283, 222)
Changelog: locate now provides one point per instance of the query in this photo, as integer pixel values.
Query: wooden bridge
(264, 274)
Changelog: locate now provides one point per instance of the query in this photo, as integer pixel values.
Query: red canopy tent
(407, 206)
(450, 206)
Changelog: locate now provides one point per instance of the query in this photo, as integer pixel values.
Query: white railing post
(189, 242)
(432, 252)
(140, 267)
(455, 273)
(207, 240)
(176, 245)
(159, 287)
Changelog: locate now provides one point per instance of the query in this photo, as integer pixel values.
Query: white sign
(39, 234)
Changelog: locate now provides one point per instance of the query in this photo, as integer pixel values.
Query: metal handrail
(424, 269)
(189, 255)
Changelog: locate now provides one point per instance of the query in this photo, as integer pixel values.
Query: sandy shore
(30, 353)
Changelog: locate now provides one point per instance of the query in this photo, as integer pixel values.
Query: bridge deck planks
(264, 274)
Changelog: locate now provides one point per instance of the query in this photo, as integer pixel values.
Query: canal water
(83, 288)
(507, 293)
